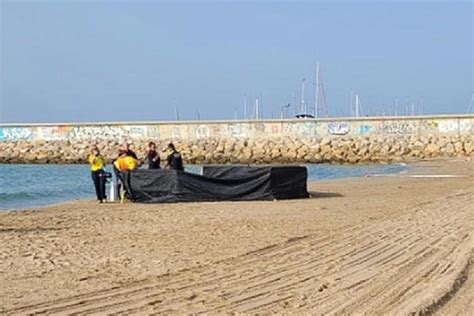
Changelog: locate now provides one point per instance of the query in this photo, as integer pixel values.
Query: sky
(69, 61)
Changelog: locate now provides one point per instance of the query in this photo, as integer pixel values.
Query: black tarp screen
(219, 183)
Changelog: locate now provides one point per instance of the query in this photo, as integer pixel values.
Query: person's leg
(95, 179)
(117, 182)
(102, 185)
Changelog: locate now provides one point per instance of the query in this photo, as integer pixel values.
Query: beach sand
(375, 245)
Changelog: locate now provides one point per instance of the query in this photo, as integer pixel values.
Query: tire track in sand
(384, 266)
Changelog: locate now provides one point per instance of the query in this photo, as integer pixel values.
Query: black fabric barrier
(219, 183)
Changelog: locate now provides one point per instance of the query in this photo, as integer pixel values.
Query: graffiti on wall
(430, 125)
(16, 133)
(449, 126)
(202, 131)
(236, 130)
(455, 126)
(53, 132)
(259, 127)
(339, 128)
(465, 126)
(300, 129)
(98, 132)
(275, 129)
(398, 127)
(136, 131)
(366, 129)
(153, 131)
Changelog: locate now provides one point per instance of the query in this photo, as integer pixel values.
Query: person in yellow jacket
(97, 162)
(125, 162)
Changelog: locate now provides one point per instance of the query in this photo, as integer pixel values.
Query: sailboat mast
(316, 101)
(470, 109)
(245, 107)
(303, 106)
(257, 110)
(352, 103)
(357, 106)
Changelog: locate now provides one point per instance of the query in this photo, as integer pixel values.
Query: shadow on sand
(315, 195)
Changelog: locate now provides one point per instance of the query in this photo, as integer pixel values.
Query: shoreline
(403, 238)
(78, 199)
(410, 169)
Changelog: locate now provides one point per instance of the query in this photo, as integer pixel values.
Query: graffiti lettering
(236, 130)
(465, 126)
(98, 132)
(15, 133)
(448, 126)
(52, 133)
(259, 127)
(430, 125)
(339, 128)
(137, 131)
(306, 129)
(398, 127)
(202, 131)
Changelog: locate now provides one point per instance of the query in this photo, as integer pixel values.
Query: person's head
(171, 147)
(95, 150)
(124, 146)
(152, 146)
(122, 153)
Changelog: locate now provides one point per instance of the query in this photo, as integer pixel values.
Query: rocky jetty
(255, 150)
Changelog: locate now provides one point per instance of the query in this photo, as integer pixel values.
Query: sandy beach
(393, 244)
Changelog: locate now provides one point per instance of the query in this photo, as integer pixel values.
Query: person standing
(124, 151)
(152, 157)
(125, 148)
(97, 162)
(174, 160)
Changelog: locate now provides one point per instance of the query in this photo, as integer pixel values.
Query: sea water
(27, 186)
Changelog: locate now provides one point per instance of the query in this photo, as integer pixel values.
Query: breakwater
(338, 140)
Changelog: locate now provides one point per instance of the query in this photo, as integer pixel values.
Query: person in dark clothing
(174, 160)
(152, 157)
(97, 162)
(126, 148)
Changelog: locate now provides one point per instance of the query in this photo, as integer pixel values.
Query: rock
(285, 149)
(433, 150)
(325, 142)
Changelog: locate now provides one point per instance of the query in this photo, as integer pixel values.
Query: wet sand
(392, 244)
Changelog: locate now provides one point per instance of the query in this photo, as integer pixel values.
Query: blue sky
(140, 60)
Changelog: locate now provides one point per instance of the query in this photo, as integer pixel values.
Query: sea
(30, 186)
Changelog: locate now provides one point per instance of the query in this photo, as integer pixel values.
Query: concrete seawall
(341, 140)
